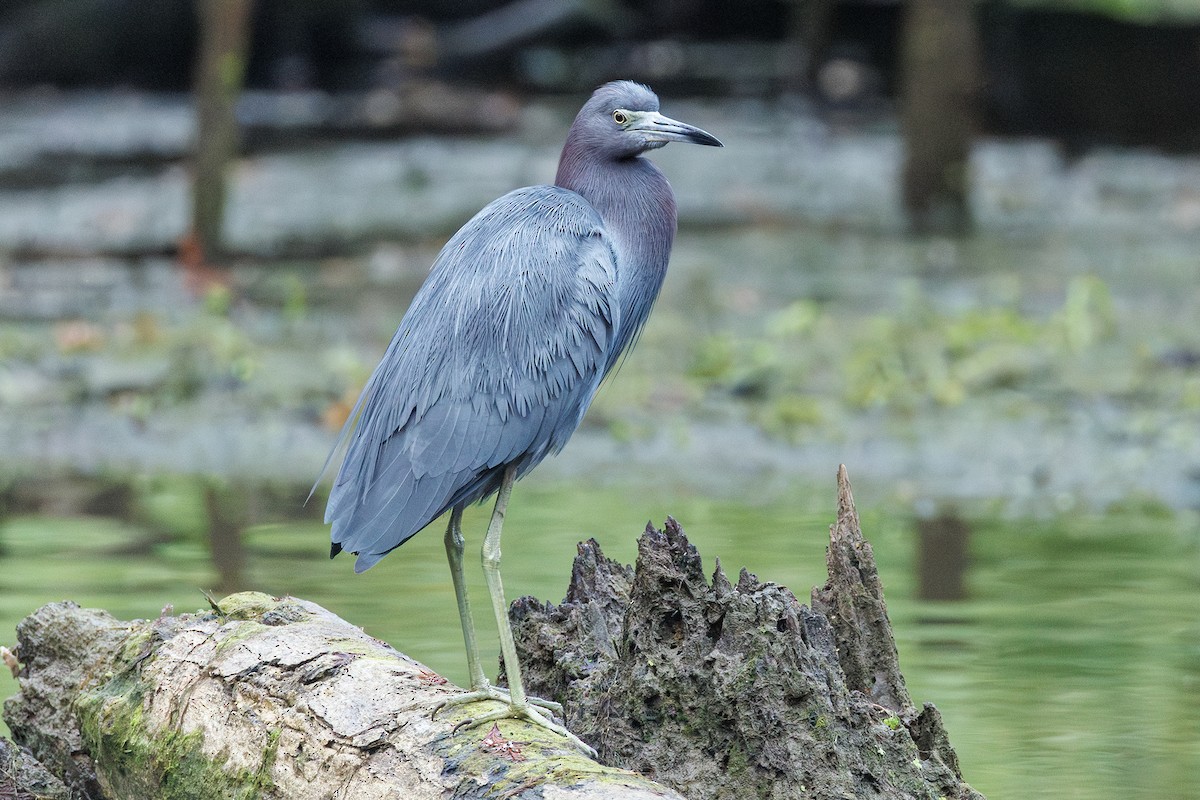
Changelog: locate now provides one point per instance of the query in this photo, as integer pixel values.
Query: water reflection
(1080, 668)
(1071, 671)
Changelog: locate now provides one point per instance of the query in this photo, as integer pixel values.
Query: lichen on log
(268, 698)
(737, 690)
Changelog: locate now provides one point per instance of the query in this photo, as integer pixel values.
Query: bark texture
(737, 690)
(24, 778)
(268, 698)
(852, 601)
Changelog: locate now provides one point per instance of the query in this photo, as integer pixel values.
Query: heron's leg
(454, 554)
(491, 573)
(481, 688)
(520, 707)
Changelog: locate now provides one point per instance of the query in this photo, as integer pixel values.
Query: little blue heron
(524, 312)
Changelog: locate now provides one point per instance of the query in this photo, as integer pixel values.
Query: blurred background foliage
(951, 244)
(1136, 10)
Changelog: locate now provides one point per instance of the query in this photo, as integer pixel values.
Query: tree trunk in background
(220, 69)
(940, 73)
(809, 24)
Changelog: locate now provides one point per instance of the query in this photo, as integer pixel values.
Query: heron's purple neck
(637, 205)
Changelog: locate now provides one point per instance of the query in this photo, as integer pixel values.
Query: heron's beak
(664, 129)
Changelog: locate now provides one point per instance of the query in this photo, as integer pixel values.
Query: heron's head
(621, 120)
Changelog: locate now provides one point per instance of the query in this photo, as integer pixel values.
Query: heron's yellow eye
(620, 117)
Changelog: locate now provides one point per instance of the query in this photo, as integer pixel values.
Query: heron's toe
(485, 692)
(532, 715)
(489, 692)
(554, 708)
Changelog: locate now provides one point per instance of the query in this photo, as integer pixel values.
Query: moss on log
(267, 698)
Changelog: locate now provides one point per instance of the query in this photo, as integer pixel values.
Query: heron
(524, 312)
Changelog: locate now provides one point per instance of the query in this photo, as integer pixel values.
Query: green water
(1072, 672)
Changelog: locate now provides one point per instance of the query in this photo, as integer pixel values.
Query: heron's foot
(489, 692)
(529, 714)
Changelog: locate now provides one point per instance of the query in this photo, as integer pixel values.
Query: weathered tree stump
(24, 778)
(268, 698)
(723, 690)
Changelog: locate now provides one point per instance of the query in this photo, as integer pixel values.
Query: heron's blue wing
(495, 363)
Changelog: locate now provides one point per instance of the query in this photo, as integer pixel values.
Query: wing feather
(495, 363)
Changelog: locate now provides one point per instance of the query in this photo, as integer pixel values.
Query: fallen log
(714, 689)
(268, 698)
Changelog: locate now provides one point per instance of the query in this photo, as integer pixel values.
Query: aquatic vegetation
(806, 364)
